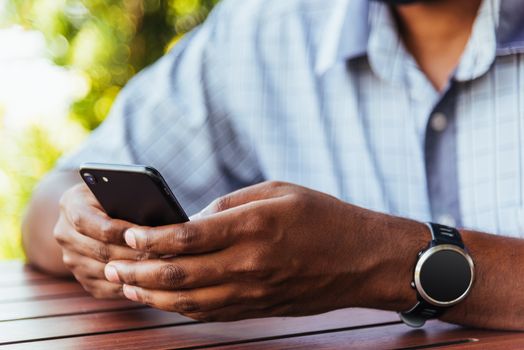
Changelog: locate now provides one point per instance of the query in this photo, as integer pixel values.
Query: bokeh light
(62, 64)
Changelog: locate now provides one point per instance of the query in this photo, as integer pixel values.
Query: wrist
(394, 250)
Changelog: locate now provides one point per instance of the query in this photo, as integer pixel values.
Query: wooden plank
(16, 279)
(16, 272)
(52, 327)
(399, 336)
(207, 334)
(56, 307)
(510, 342)
(40, 291)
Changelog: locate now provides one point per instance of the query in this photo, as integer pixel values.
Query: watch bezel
(425, 256)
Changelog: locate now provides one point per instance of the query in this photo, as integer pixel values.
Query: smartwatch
(443, 276)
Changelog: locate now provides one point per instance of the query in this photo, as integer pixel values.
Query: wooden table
(39, 312)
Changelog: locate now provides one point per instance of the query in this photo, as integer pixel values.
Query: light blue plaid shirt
(323, 94)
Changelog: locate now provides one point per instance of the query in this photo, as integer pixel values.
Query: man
(411, 110)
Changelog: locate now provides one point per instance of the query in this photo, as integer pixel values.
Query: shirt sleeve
(164, 118)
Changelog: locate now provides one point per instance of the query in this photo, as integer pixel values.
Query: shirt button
(439, 122)
(447, 220)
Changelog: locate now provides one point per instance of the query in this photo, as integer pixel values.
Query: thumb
(265, 190)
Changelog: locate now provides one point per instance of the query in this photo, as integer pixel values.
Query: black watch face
(445, 276)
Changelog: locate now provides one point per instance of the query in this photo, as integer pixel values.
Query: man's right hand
(89, 239)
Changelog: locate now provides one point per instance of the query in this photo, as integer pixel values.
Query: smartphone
(134, 193)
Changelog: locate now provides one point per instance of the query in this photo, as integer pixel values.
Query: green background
(107, 42)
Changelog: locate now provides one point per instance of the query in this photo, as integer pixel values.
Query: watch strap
(441, 234)
(418, 315)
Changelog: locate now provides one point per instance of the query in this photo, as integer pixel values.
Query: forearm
(497, 296)
(390, 245)
(41, 248)
(496, 299)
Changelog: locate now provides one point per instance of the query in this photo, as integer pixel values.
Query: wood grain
(40, 291)
(396, 336)
(508, 342)
(55, 307)
(14, 273)
(39, 312)
(197, 335)
(104, 322)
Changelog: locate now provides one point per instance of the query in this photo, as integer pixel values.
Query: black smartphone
(134, 193)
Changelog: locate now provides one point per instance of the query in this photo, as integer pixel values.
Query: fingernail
(111, 274)
(130, 237)
(130, 292)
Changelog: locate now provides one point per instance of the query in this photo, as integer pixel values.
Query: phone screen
(133, 193)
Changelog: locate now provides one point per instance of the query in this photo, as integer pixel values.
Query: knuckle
(76, 220)
(254, 265)
(259, 294)
(128, 276)
(97, 294)
(184, 237)
(106, 231)
(222, 203)
(185, 304)
(172, 275)
(142, 256)
(302, 200)
(68, 261)
(59, 235)
(147, 244)
(255, 222)
(145, 298)
(275, 184)
(103, 253)
(251, 265)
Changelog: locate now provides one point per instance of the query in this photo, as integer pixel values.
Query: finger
(88, 218)
(185, 301)
(97, 225)
(179, 273)
(83, 266)
(102, 289)
(205, 235)
(264, 190)
(68, 238)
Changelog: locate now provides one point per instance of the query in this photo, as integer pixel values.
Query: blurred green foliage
(107, 42)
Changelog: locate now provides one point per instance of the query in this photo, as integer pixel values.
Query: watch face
(445, 275)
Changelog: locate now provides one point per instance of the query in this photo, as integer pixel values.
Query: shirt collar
(347, 32)
(480, 51)
(510, 31)
(345, 35)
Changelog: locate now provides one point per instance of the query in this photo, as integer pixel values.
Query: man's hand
(273, 249)
(89, 239)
